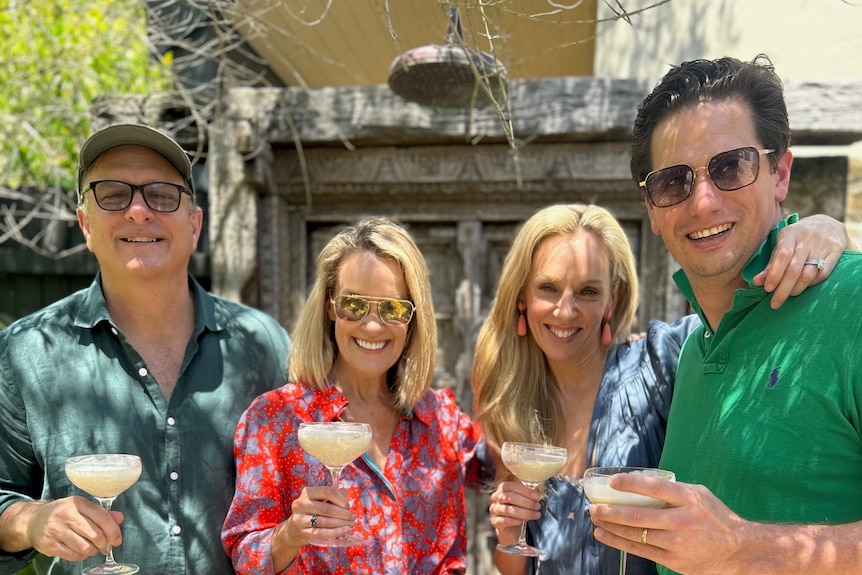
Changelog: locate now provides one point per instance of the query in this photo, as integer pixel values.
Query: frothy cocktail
(335, 444)
(598, 489)
(103, 475)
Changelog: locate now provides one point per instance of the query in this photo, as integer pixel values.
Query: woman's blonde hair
(516, 397)
(313, 347)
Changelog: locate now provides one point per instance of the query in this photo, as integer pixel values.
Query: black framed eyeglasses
(113, 196)
(729, 171)
(389, 310)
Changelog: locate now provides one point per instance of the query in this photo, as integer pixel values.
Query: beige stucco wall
(806, 39)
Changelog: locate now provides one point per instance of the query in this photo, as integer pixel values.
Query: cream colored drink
(533, 463)
(535, 469)
(103, 476)
(599, 491)
(333, 445)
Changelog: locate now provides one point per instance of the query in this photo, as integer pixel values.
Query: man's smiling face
(713, 233)
(138, 242)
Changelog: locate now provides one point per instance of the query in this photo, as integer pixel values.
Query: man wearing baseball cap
(143, 362)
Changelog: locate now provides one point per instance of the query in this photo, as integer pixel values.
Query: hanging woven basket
(448, 75)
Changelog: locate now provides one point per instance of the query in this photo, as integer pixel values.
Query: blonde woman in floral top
(363, 351)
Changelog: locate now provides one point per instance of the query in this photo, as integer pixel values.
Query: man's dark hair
(754, 83)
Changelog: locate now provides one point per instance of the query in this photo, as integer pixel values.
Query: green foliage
(58, 56)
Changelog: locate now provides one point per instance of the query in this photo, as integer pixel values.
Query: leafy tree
(58, 56)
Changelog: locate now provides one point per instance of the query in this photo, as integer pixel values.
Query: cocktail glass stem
(521, 547)
(623, 556)
(110, 567)
(345, 540)
(522, 538)
(336, 476)
(109, 554)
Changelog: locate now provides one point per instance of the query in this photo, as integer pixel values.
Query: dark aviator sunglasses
(729, 171)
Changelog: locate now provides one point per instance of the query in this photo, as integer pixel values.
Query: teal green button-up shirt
(70, 384)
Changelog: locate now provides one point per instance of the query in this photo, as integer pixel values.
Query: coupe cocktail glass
(532, 464)
(599, 491)
(105, 476)
(335, 444)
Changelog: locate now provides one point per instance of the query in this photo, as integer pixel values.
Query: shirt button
(142, 372)
(707, 335)
(171, 421)
(114, 331)
(176, 530)
(174, 475)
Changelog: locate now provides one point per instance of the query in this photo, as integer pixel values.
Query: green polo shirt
(767, 410)
(71, 384)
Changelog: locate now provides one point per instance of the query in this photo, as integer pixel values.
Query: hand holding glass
(105, 476)
(598, 490)
(532, 464)
(335, 444)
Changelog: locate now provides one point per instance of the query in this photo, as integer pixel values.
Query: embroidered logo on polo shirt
(773, 378)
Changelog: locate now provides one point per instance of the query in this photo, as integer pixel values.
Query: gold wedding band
(643, 536)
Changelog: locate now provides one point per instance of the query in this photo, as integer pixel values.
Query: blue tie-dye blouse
(628, 429)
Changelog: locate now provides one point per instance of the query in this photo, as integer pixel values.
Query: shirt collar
(205, 315)
(330, 402)
(424, 409)
(94, 310)
(755, 265)
(761, 256)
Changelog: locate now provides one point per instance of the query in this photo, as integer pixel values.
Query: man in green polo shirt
(144, 362)
(765, 429)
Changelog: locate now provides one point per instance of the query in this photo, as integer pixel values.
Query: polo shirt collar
(761, 256)
(756, 264)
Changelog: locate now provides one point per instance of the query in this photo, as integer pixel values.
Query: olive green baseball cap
(134, 135)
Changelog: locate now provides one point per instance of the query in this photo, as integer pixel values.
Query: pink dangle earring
(522, 319)
(607, 337)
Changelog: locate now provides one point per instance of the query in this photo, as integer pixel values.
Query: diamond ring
(820, 263)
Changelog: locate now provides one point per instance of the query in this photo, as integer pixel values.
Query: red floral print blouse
(411, 515)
